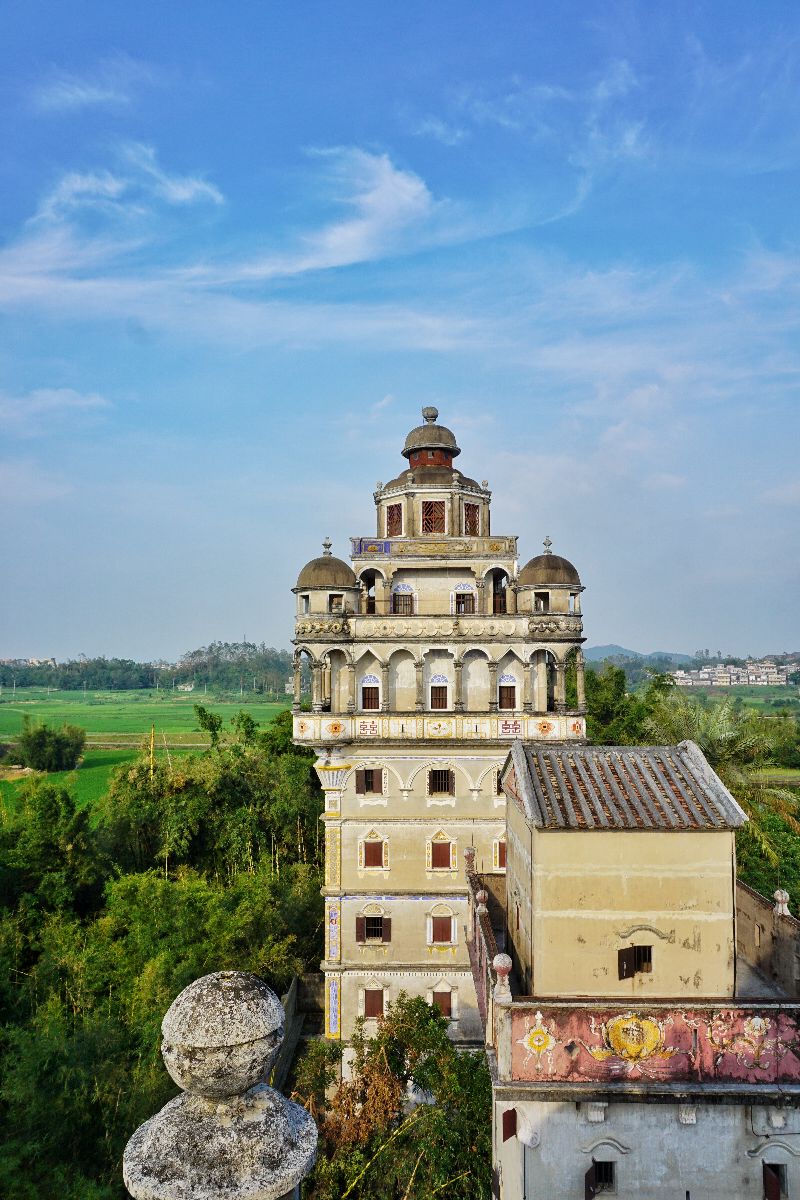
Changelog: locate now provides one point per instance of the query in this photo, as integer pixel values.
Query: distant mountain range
(596, 653)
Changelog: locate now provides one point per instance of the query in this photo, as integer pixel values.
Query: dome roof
(326, 571)
(430, 436)
(549, 568)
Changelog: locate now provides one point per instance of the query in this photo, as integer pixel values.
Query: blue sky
(242, 244)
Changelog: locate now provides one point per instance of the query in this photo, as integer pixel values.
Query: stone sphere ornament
(228, 1135)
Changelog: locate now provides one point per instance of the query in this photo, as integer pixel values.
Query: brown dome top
(326, 571)
(430, 436)
(547, 569)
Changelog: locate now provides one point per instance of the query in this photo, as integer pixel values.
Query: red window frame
(441, 931)
(370, 698)
(373, 1002)
(373, 853)
(440, 856)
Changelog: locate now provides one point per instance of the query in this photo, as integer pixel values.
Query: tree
(210, 722)
(47, 749)
(413, 1122)
(738, 744)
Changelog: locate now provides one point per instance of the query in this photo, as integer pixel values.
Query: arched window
(438, 692)
(442, 926)
(370, 693)
(507, 691)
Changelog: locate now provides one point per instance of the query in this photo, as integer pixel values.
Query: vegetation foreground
(124, 880)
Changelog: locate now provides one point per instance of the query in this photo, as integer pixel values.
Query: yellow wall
(590, 890)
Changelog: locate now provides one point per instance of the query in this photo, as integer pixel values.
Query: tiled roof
(564, 786)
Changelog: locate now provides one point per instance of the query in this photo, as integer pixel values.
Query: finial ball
(430, 414)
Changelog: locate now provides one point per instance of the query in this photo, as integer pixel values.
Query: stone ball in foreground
(222, 1034)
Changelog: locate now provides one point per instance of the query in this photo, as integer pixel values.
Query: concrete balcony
(466, 627)
(433, 545)
(320, 729)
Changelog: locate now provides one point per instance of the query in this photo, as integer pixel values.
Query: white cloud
(112, 83)
(34, 412)
(441, 131)
(786, 494)
(175, 189)
(90, 189)
(24, 484)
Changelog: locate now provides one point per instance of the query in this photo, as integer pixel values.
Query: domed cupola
(430, 445)
(326, 572)
(549, 569)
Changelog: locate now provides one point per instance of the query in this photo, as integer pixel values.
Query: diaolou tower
(428, 656)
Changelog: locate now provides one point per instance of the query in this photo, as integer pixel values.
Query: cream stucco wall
(577, 897)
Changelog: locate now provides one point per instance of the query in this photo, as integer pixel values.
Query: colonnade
(535, 688)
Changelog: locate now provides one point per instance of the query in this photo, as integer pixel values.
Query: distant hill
(597, 653)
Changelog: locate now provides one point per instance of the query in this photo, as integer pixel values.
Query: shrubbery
(47, 749)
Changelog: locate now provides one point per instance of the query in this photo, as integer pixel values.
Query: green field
(124, 717)
(765, 699)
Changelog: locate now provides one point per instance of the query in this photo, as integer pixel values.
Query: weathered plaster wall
(769, 942)
(660, 1151)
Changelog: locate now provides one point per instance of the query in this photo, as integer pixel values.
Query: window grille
(374, 928)
(438, 696)
(402, 604)
(433, 516)
(370, 698)
(394, 520)
(472, 519)
(441, 782)
(373, 1002)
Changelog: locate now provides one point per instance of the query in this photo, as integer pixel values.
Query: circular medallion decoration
(302, 726)
(545, 727)
(334, 728)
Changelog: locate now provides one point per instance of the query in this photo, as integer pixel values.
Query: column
(326, 686)
(384, 687)
(458, 699)
(511, 598)
(540, 667)
(297, 685)
(561, 687)
(480, 584)
(580, 681)
(527, 688)
(382, 601)
(492, 687)
(316, 687)
(351, 687)
(419, 703)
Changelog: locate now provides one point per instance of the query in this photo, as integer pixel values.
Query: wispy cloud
(33, 414)
(89, 189)
(113, 83)
(175, 189)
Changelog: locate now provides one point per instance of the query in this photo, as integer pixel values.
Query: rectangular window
(635, 960)
(441, 782)
(369, 782)
(373, 854)
(508, 695)
(433, 516)
(394, 520)
(498, 602)
(465, 603)
(373, 1002)
(374, 929)
(304, 604)
(439, 696)
(498, 784)
(501, 855)
(440, 855)
(775, 1184)
(758, 936)
(604, 1177)
(444, 1002)
(509, 1124)
(370, 698)
(472, 520)
(402, 604)
(442, 930)
(541, 602)
(335, 603)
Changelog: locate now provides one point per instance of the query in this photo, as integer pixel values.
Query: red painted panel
(700, 1044)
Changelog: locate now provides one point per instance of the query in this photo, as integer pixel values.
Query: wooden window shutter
(509, 1123)
(501, 855)
(387, 929)
(590, 1183)
(772, 1182)
(626, 961)
(361, 929)
(360, 783)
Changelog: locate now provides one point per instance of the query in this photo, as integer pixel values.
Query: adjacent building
(429, 652)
